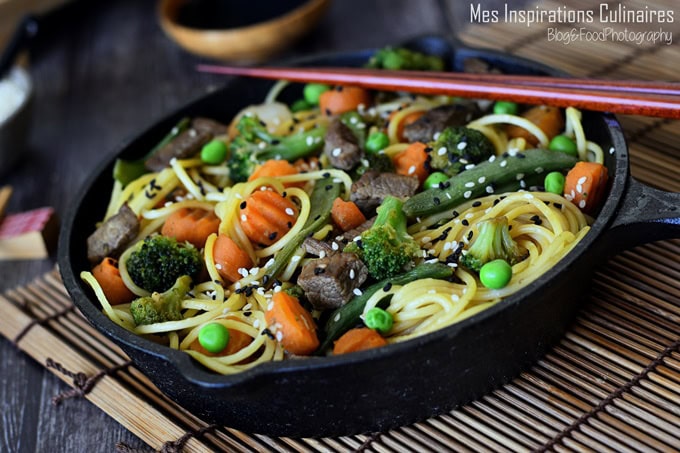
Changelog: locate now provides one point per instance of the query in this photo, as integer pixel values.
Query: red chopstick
(659, 99)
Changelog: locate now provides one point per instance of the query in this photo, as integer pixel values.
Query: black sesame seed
(263, 124)
(248, 291)
(509, 227)
(247, 313)
(269, 333)
(284, 194)
(387, 287)
(243, 205)
(276, 142)
(455, 214)
(289, 224)
(317, 217)
(265, 279)
(319, 270)
(469, 236)
(436, 201)
(557, 205)
(536, 219)
(476, 204)
(496, 201)
(340, 88)
(465, 222)
(326, 175)
(328, 112)
(428, 149)
(273, 235)
(520, 155)
(329, 187)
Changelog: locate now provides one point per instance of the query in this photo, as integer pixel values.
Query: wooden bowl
(252, 43)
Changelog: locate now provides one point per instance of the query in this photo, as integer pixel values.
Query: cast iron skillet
(399, 384)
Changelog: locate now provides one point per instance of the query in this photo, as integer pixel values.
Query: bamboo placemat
(612, 384)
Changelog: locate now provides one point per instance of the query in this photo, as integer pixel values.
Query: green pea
(554, 182)
(377, 141)
(312, 91)
(214, 337)
(433, 181)
(563, 144)
(495, 274)
(505, 107)
(393, 61)
(214, 152)
(378, 319)
(300, 105)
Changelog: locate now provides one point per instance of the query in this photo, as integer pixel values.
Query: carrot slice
(274, 168)
(294, 326)
(108, 276)
(343, 99)
(346, 214)
(549, 119)
(266, 216)
(585, 185)
(191, 224)
(358, 339)
(229, 258)
(405, 121)
(411, 161)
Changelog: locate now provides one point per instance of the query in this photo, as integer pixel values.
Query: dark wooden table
(102, 71)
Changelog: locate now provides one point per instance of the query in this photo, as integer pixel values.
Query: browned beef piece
(372, 188)
(438, 119)
(330, 282)
(341, 146)
(317, 247)
(113, 235)
(349, 235)
(186, 144)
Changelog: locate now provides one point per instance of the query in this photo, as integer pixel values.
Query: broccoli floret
(159, 261)
(386, 248)
(493, 242)
(373, 161)
(254, 145)
(400, 58)
(161, 307)
(457, 147)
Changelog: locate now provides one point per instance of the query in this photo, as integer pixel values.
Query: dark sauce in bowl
(222, 14)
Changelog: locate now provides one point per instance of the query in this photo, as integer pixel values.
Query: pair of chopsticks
(659, 99)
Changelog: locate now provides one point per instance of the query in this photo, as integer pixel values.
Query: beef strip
(372, 188)
(438, 119)
(318, 248)
(113, 235)
(186, 144)
(330, 282)
(349, 235)
(341, 146)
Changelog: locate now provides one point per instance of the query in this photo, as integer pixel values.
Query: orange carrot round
(266, 216)
(108, 276)
(343, 99)
(229, 258)
(411, 161)
(274, 168)
(358, 339)
(191, 224)
(549, 119)
(346, 214)
(405, 121)
(585, 185)
(294, 326)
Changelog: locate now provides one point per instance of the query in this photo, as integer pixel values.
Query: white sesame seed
(263, 145)
(361, 126)
(469, 166)
(462, 145)
(455, 298)
(357, 292)
(503, 163)
(492, 158)
(243, 218)
(322, 254)
(436, 136)
(218, 266)
(538, 170)
(447, 246)
(481, 179)
(448, 195)
(295, 259)
(337, 180)
(351, 274)
(452, 265)
(335, 246)
(582, 204)
(528, 196)
(469, 184)
(279, 336)
(612, 150)
(317, 140)
(441, 151)
(336, 152)
(289, 211)
(579, 188)
(463, 161)
(467, 194)
(269, 263)
(337, 317)
(256, 323)
(512, 151)
(469, 215)
(239, 196)
(582, 180)
(254, 270)
(411, 169)
(243, 271)
(426, 239)
(431, 261)
(519, 176)
(354, 120)
(309, 140)
(523, 184)
(573, 194)
(489, 189)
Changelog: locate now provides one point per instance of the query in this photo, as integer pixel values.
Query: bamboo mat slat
(611, 384)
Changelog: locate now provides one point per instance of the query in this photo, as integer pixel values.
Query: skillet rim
(196, 375)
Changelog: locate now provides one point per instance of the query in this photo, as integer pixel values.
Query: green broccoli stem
(348, 316)
(493, 242)
(321, 199)
(293, 147)
(126, 171)
(390, 213)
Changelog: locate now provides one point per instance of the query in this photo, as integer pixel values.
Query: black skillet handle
(645, 215)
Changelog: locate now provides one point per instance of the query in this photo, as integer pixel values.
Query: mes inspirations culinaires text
(570, 25)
